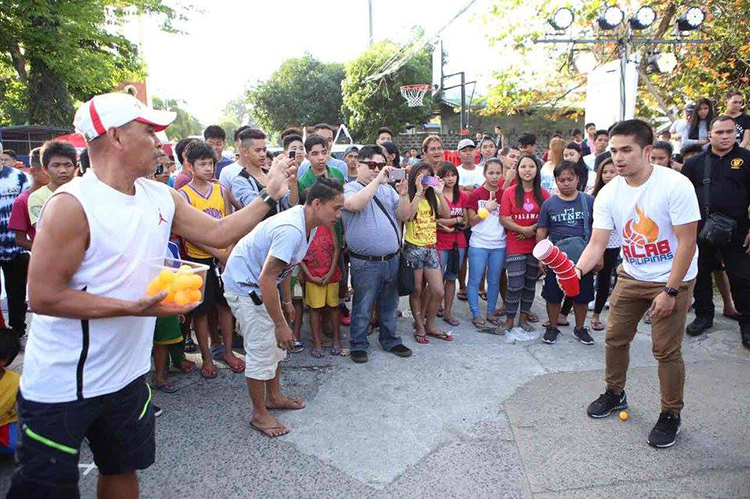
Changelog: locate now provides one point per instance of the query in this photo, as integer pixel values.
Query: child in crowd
(427, 203)
(451, 237)
(607, 172)
(519, 213)
(322, 275)
(566, 218)
(209, 197)
(10, 345)
(487, 243)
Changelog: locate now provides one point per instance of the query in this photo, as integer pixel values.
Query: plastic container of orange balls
(183, 281)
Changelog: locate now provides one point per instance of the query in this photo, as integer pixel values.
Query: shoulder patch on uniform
(737, 163)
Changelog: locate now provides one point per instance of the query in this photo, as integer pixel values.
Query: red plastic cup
(545, 251)
(570, 286)
(567, 273)
(565, 265)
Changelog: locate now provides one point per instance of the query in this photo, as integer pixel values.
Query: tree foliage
(369, 105)
(184, 125)
(702, 70)
(56, 52)
(303, 91)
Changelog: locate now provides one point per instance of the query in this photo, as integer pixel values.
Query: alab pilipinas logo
(640, 241)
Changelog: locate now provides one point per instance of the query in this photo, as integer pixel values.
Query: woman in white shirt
(697, 130)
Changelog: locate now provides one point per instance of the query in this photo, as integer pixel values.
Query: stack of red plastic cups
(561, 265)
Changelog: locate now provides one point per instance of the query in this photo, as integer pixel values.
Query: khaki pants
(630, 300)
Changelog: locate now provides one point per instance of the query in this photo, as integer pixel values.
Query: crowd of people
(303, 233)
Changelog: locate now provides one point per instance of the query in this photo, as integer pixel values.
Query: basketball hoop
(414, 94)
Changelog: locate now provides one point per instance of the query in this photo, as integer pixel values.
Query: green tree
(369, 105)
(62, 51)
(702, 70)
(302, 91)
(184, 125)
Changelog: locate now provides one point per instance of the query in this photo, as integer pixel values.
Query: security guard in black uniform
(729, 198)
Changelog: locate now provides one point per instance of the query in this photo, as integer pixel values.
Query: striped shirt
(12, 183)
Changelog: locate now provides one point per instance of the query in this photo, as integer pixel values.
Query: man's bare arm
(272, 269)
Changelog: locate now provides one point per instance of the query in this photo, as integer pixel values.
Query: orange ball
(195, 296)
(166, 277)
(623, 415)
(185, 268)
(196, 281)
(170, 294)
(154, 287)
(182, 298)
(183, 282)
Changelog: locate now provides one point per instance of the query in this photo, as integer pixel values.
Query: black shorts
(552, 293)
(214, 292)
(119, 427)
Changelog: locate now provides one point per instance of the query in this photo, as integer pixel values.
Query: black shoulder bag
(574, 246)
(254, 182)
(718, 228)
(405, 279)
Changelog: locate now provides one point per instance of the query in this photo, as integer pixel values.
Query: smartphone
(396, 174)
(159, 170)
(429, 180)
(292, 154)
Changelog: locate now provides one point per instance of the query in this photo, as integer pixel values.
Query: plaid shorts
(421, 257)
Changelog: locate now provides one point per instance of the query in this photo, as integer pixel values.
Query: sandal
(483, 295)
(317, 353)
(450, 320)
(546, 324)
(440, 312)
(735, 316)
(190, 346)
(185, 367)
(531, 317)
(493, 319)
(526, 327)
(421, 339)
(209, 372)
(165, 388)
(442, 335)
(501, 311)
(597, 326)
(343, 352)
(461, 295)
(237, 367)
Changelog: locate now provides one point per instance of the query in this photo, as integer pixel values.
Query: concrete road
(476, 417)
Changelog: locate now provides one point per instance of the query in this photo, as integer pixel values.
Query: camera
(159, 170)
(292, 154)
(396, 174)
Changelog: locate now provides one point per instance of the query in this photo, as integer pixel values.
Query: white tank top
(71, 359)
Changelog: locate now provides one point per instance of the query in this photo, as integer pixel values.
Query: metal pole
(463, 100)
(369, 18)
(623, 48)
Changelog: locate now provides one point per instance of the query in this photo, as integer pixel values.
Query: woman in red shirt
(519, 212)
(450, 234)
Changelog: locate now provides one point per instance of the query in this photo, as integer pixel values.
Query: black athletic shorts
(214, 291)
(119, 427)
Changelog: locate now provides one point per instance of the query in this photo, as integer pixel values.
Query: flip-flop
(493, 319)
(165, 388)
(235, 368)
(317, 353)
(491, 330)
(185, 370)
(735, 316)
(421, 339)
(440, 312)
(208, 374)
(478, 323)
(453, 322)
(343, 352)
(442, 335)
(527, 327)
(597, 326)
(532, 317)
(461, 295)
(266, 431)
(546, 324)
(483, 295)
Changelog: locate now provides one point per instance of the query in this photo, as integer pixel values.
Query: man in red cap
(90, 342)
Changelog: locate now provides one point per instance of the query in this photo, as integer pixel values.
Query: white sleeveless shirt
(71, 359)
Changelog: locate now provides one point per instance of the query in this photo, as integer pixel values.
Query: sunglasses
(373, 164)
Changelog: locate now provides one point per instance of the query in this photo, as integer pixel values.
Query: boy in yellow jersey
(210, 198)
(9, 348)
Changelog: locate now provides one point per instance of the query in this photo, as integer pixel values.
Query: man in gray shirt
(372, 210)
(257, 265)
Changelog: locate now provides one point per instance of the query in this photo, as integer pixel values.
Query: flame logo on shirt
(642, 231)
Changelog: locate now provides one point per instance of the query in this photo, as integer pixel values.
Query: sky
(233, 44)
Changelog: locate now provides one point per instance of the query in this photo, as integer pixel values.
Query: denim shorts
(421, 257)
(444, 255)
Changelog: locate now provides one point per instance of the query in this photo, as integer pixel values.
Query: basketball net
(414, 94)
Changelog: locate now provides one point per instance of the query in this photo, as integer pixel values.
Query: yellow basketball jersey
(211, 204)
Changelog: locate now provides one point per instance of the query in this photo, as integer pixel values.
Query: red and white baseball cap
(106, 111)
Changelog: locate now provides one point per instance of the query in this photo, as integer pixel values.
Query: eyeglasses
(373, 165)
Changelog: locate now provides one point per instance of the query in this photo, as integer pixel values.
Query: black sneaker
(550, 335)
(190, 346)
(699, 325)
(583, 336)
(359, 356)
(401, 351)
(606, 403)
(158, 411)
(665, 431)
(297, 346)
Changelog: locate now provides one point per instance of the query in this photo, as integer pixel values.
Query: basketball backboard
(437, 66)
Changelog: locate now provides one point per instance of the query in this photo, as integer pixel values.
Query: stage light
(691, 20)
(562, 19)
(584, 62)
(611, 18)
(643, 18)
(662, 62)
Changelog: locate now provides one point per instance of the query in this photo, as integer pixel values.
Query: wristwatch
(266, 197)
(671, 292)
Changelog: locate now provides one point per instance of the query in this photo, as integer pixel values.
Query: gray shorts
(421, 257)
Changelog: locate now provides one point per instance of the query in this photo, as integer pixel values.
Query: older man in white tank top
(90, 343)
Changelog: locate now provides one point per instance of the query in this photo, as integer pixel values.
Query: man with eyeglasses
(326, 131)
(372, 207)
(432, 151)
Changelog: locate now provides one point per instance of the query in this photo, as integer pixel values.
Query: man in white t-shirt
(470, 175)
(655, 211)
(89, 348)
(601, 139)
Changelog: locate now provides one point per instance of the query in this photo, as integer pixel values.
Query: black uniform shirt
(730, 182)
